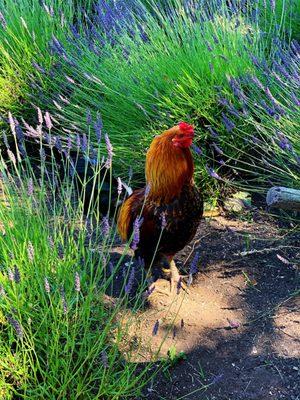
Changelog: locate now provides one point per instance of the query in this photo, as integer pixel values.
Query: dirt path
(239, 326)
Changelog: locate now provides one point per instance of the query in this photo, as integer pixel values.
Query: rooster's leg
(176, 281)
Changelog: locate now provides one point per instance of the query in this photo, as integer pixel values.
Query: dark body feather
(182, 216)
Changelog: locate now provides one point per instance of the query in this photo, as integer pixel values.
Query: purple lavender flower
(11, 122)
(69, 79)
(77, 282)
(87, 76)
(163, 220)
(136, 233)
(270, 96)
(141, 263)
(46, 285)
(295, 46)
(282, 70)
(212, 173)
(58, 144)
(217, 148)
(78, 142)
(48, 11)
(64, 301)
(16, 325)
(272, 5)
(284, 142)
(128, 286)
(64, 99)
(30, 251)
(88, 117)
(223, 101)
(215, 39)
(105, 226)
(279, 109)
(17, 275)
(84, 143)
(295, 99)
(48, 121)
(30, 187)
(193, 268)
(209, 48)
(39, 131)
(255, 139)
(255, 60)
(104, 359)
(10, 275)
(22, 150)
(197, 150)
(42, 155)
(269, 110)
(233, 111)
(56, 46)
(194, 264)
(155, 328)
(174, 332)
(229, 125)
(109, 152)
(19, 132)
(149, 291)
(2, 20)
(236, 88)
(2, 291)
(11, 156)
(179, 285)
(40, 116)
(212, 132)
(120, 187)
(74, 31)
(69, 144)
(147, 190)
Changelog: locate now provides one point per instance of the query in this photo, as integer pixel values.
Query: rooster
(169, 208)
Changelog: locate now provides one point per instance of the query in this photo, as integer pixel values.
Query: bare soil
(238, 326)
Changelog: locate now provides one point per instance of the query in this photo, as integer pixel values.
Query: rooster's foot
(176, 280)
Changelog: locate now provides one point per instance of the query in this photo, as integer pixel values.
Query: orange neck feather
(168, 168)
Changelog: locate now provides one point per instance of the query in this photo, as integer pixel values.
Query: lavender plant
(134, 68)
(269, 111)
(173, 60)
(58, 336)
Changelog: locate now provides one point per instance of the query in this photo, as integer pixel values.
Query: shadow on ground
(240, 323)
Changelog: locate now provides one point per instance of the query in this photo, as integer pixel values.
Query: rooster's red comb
(185, 127)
